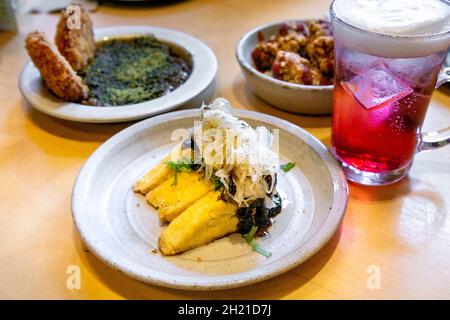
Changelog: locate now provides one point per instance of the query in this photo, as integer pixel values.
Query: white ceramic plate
(193, 92)
(121, 229)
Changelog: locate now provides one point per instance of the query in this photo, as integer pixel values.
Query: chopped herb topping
(181, 165)
(217, 183)
(249, 237)
(132, 70)
(288, 166)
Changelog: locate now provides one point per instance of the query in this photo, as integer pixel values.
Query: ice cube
(378, 86)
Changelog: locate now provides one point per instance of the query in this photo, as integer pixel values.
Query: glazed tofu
(207, 219)
(173, 198)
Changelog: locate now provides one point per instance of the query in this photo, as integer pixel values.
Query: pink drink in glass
(378, 112)
(383, 85)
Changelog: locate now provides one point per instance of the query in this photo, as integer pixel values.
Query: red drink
(386, 70)
(376, 133)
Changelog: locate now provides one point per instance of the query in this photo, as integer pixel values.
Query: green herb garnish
(217, 183)
(181, 165)
(249, 237)
(288, 166)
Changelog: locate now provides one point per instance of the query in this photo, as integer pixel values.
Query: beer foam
(399, 28)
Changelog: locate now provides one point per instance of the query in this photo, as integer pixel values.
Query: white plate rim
(311, 246)
(203, 73)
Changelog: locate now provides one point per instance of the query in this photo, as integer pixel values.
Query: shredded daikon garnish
(237, 154)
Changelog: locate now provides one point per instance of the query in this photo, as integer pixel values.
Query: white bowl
(197, 88)
(304, 99)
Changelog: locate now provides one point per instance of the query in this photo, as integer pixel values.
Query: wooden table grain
(394, 241)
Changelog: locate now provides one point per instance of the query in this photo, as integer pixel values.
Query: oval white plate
(194, 91)
(121, 229)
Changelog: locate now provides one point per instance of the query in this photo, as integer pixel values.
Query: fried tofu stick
(207, 219)
(153, 178)
(57, 73)
(161, 172)
(171, 199)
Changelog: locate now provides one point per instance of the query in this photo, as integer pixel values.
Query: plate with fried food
(208, 199)
(114, 74)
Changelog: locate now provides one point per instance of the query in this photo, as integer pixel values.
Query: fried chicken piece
(292, 36)
(296, 26)
(319, 28)
(57, 73)
(326, 66)
(76, 44)
(291, 67)
(265, 52)
(301, 52)
(292, 42)
(264, 55)
(321, 47)
(321, 51)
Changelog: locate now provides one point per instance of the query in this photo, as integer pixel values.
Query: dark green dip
(132, 70)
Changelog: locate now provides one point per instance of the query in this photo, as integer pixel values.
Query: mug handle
(436, 139)
(443, 77)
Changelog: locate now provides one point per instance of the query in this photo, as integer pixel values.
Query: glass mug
(383, 85)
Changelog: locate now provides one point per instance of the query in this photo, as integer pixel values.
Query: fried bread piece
(57, 73)
(207, 219)
(76, 44)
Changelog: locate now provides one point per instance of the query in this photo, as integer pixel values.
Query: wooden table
(401, 232)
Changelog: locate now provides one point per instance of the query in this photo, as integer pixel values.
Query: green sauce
(133, 70)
